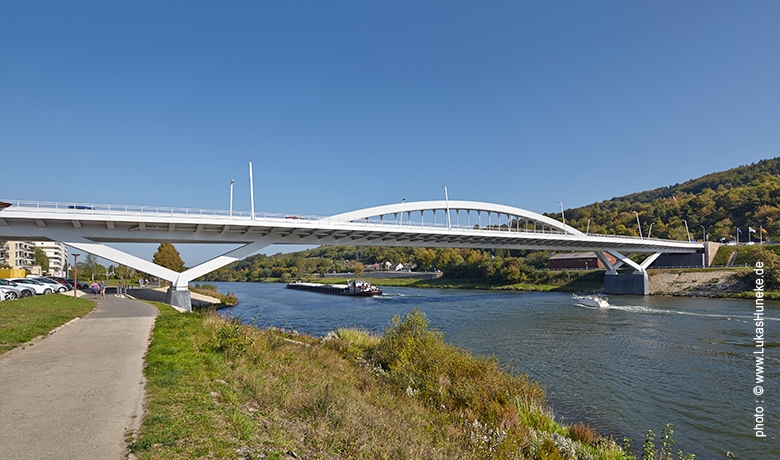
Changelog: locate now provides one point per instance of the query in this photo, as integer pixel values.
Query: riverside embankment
(623, 370)
(684, 282)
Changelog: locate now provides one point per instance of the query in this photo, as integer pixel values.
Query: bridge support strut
(178, 294)
(636, 283)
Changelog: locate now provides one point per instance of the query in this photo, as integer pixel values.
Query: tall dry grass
(221, 389)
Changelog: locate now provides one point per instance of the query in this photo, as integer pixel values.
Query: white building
(57, 254)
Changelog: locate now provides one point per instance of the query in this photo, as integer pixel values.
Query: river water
(644, 362)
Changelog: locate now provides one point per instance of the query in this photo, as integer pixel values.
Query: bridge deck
(120, 223)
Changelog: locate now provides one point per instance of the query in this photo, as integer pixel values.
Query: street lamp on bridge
(563, 218)
(447, 206)
(638, 224)
(231, 197)
(686, 230)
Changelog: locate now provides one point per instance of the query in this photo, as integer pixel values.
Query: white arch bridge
(461, 224)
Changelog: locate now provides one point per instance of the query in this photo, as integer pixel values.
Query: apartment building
(57, 254)
(18, 254)
(21, 255)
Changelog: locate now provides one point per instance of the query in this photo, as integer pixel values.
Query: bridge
(449, 223)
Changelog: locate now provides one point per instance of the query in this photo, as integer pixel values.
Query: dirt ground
(700, 284)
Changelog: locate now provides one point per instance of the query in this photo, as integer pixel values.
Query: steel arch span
(512, 214)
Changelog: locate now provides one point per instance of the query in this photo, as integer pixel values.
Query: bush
(450, 378)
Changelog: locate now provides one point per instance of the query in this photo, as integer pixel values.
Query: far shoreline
(718, 282)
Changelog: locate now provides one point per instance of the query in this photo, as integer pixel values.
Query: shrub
(450, 378)
(353, 344)
(581, 432)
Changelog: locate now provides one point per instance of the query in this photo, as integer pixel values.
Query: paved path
(75, 394)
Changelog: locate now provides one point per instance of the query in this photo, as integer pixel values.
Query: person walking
(102, 289)
(95, 288)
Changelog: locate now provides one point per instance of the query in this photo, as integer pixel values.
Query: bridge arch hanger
(380, 212)
(406, 213)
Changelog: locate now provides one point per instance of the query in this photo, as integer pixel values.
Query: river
(644, 362)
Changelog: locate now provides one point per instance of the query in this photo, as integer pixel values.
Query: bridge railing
(112, 210)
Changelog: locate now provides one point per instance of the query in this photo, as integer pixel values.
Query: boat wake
(659, 311)
(387, 295)
(589, 307)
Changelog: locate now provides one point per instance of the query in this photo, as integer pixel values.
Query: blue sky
(349, 104)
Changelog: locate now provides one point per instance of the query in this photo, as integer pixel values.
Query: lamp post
(638, 225)
(447, 205)
(587, 230)
(403, 200)
(686, 230)
(703, 233)
(231, 197)
(563, 218)
(75, 274)
(651, 229)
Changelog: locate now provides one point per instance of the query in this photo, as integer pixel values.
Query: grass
(22, 320)
(220, 389)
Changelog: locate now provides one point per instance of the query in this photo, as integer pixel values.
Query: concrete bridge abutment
(636, 283)
(179, 298)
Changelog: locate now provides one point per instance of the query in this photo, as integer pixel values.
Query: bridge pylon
(636, 283)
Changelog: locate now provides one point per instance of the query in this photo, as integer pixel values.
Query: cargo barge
(358, 288)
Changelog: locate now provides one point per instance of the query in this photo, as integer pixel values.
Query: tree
(771, 263)
(167, 256)
(42, 260)
(90, 268)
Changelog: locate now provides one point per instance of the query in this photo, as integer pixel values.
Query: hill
(721, 202)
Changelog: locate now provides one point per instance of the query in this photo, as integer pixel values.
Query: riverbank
(217, 388)
(200, 298)
(687, 282)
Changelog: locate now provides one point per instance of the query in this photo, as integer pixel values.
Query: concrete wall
(680, 260)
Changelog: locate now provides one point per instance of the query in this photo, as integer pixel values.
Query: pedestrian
(95, 289)
(102, 289)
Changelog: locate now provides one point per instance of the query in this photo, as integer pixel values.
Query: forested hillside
(494, 265)
(747, 196)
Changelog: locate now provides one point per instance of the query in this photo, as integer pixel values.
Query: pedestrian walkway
(77, 393)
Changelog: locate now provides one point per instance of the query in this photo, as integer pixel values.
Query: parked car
(36, 286)
(4, 292)
(82, 285)
(13, 291)
(56, 286)
(7, 294)
(62, 280)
